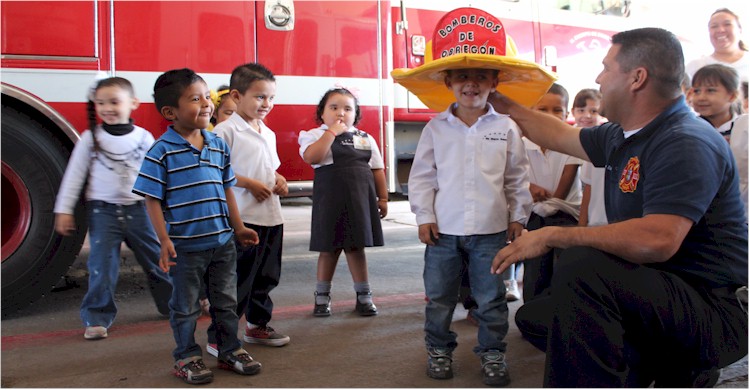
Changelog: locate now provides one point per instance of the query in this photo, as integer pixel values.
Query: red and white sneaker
(265, 335)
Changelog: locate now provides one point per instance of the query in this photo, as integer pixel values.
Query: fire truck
(52, 52)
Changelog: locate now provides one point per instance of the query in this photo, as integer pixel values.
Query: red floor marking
(57, 337)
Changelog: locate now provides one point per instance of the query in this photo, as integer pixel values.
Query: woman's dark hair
(91, 107)
(341, 91)
(170, 86)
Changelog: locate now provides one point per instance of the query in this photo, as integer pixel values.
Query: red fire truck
(52, 51)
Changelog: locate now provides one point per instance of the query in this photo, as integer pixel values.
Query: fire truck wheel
(34, 256)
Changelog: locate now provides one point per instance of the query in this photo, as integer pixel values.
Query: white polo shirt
(254, 156)
(546, 171)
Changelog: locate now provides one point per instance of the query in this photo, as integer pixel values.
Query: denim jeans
(442, 279)
(216, 267)
(110, 225)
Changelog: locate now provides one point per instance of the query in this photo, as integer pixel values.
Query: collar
(447, 115)
(119, 129)
(241, 125)
(678, 108)
(174, 137)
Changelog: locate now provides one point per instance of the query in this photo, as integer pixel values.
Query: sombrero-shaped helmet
(471, 38)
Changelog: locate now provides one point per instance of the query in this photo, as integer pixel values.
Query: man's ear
(168, 112)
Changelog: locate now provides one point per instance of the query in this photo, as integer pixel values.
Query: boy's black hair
(245, 75)
(558, 89)
(170, 86)
(342, 91)
(584, 95)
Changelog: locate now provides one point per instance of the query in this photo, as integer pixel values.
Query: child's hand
(167, 253)
(339, 127)
(259, 190)
(428, 233)
(515, 230)
(281, 187)
(246, 236)
(539, 194)
(383, 207)
(65, 224)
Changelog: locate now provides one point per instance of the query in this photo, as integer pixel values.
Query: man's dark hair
(657, 50)
(245, 75)
(170, 86)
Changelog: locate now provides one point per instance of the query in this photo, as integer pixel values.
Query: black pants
(258, 272)
(611, 323)
(537, 272)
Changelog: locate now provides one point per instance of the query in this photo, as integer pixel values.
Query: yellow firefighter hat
(471, 38)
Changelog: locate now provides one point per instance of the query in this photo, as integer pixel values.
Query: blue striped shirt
(191, 185)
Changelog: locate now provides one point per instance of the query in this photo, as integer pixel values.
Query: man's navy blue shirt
(678, 164)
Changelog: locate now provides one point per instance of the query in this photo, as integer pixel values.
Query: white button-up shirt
(470, 180)
(254, 156)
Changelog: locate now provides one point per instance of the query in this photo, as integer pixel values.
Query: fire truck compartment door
(279, 15)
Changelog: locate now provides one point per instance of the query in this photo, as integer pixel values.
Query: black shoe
(494, 369)
(368, 308)
(323, 310)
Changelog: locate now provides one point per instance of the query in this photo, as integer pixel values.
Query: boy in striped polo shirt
(184, 178)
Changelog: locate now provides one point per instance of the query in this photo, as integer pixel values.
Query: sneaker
(494, 369)
(240, 362)
(193, 371)
(95, 333)
(265, 335)
(511, 290)
(212, 349)
(439, 363)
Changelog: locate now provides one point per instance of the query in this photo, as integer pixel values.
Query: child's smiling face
(471, 87)
(194, 108)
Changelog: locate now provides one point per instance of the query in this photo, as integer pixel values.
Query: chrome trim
(112, 37)
(42, 108)
(300, 188)
(47, 58)
(96, 29)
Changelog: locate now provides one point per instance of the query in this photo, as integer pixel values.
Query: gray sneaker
(439, 362)
(494, 368)
(240, 362)
(193, 371)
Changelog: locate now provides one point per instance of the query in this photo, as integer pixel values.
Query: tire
(34, 257)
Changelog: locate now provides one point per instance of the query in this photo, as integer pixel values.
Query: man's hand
(528, 246)
(246, 236)
(428, 233)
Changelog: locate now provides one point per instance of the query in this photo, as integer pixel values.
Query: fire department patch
(630, 175)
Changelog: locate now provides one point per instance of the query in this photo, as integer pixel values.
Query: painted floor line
(58, 337)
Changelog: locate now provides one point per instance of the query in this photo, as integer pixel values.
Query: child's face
(554, 105)
(226, 108)
(194, 108)
(587, 116)
(257, 101)
(114, 105)
(339, 107)
(471, 87)
(711, 99)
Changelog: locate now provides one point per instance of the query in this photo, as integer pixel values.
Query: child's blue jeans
(442, 279)
(217, 268)
(110, 225)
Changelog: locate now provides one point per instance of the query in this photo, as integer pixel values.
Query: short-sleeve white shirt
(594, 177)
(307, 138)
(253, 155)
(547, 168)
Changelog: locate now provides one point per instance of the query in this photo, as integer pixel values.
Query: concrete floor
(42, 346)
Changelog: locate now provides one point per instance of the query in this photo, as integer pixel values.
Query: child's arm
(317, 151)
(244, 235)
(514, 231)
(566, 181)
(155, 214)
(281, 188)
(257, 188)
(382, 190)
(72, 185)
(583, 218)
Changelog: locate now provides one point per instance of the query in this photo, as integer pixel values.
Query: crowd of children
(200, 206)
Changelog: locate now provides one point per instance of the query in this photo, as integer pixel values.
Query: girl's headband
(217, 95)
